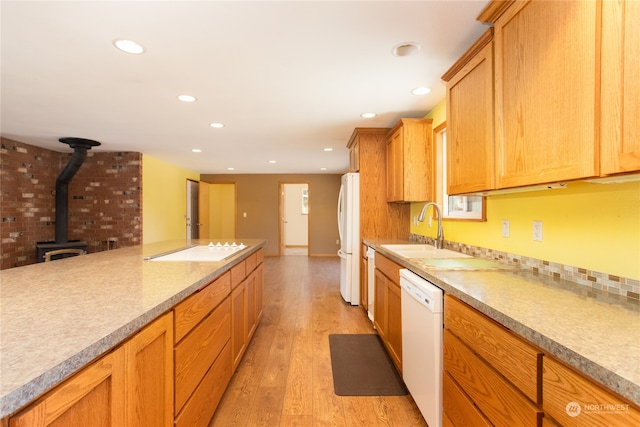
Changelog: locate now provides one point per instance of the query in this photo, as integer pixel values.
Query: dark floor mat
(362, 367)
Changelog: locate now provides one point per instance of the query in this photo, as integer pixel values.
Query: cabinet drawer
(238, 273)
(251, 262)
(509, 355)
(498, 400)
(195, 308)
(388, 267)
(198, 411)
(197, 352)
(567, 392)
(260, 256)
(460, 411)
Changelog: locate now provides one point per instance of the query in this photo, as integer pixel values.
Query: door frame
(281, 215)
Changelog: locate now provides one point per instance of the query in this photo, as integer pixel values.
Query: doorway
(294, 218)
(192, 209)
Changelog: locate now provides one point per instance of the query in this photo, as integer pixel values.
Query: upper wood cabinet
(410, 159)
(378, 219)
(620, 91)
(546, 71)
(470, 124)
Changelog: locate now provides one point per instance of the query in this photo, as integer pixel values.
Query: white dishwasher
(422, 323)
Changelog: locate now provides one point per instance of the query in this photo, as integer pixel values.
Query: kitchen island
(594, 332)
(59, 316)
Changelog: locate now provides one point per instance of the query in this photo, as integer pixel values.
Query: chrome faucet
(440, 238)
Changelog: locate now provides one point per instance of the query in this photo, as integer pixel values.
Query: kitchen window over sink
(453, 207)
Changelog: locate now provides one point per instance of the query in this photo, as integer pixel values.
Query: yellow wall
(164, 200)
(593, 226)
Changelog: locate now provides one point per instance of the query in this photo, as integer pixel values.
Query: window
(453, 207)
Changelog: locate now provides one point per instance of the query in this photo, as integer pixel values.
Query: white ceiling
(286, 78)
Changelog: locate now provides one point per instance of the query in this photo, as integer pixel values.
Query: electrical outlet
(337, 241)
(537, 231)
(505, 228)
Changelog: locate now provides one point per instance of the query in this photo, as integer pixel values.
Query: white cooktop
(211, 252)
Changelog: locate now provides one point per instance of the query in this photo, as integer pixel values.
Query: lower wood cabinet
(493, 377)
(173, 371)
(130, 386)
(247, 301)
(387, 315)
(573, 400)
(215, 325)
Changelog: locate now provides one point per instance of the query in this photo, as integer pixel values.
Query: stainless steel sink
(423, 251)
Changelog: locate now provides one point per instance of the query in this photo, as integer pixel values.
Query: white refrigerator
(349, 232)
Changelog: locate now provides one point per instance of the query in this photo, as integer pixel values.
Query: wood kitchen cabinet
(574, 401)
(378, 219)
(388, 318)
(410, 161)
(246, 305)
(493, 377)
(131, 386)
(203, 330)
(620, 110)
(546, 74)
(470, 120)
(490, 375)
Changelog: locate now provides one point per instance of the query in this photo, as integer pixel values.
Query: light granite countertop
(58, 316)
(593, 331)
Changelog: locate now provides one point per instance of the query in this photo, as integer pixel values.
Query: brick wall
(105, 200)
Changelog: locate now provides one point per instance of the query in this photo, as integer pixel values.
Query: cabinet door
(620, 144)
(364, 282)
(545, 92)
(394, 324)
(252, 291)
(380, 317)
(149, 387)
(94, 397)
(238, 322)
(395, 161)
(259, 291)
(470, 124)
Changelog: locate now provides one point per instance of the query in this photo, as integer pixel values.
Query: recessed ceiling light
(323, 169)
(187, 98)
(231, 169)
(128, 46)
(368, 115)
(406, 49)
(328, 149)
(216, 125)
(421, 91)
(196, 150)
(272, 161)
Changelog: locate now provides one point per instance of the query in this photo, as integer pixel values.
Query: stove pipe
(80, 147)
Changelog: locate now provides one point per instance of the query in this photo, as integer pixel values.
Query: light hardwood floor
(285, 377)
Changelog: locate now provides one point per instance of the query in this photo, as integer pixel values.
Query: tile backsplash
(581, 276)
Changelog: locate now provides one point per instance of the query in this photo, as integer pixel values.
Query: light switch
(244, 214)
